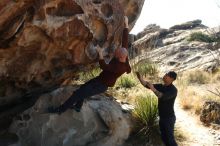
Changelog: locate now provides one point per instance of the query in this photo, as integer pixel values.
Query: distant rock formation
(148, 29)
(171, 50)
(189, 25)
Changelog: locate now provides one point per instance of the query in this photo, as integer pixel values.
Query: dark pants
(167, 131)
(90, 88)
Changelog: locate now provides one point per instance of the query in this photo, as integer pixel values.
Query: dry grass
(216, 76)
(213, 97)
(180, 135)
(197, 77)
(126, 81)
(192, 96)
(128, 88)
(129, 95)
(191, 100)
(146, 68)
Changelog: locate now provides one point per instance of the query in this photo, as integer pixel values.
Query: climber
(107, 78)
(166, 94)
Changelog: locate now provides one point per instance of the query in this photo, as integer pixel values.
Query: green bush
(145, 67)
(85, 76)
(201, 37)
(146, 115)
(126, 81)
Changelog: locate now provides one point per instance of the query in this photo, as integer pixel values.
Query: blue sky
(167, 13)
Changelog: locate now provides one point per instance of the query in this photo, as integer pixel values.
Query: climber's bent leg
(88, 89)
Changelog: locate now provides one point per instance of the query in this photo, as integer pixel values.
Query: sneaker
(54, 110)
(77, 109)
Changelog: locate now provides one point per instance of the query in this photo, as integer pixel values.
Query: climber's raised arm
(125, 42)
(125, 34)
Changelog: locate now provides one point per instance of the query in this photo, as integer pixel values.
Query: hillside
(172, 48)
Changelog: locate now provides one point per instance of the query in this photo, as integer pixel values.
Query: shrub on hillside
(202, 37)
(146, 67)
(126, 81)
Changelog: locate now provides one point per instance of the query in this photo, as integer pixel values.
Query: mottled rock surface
(45, 42)
(101, 122)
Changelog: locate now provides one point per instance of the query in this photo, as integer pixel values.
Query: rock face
(171, 50)
(210, 113)
(42, 43)
(101, 122)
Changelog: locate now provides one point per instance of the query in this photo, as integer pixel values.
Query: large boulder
(101, 122)
(44, 42)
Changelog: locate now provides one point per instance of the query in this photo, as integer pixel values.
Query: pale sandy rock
(101, 122)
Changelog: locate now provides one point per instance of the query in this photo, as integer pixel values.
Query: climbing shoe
(77, 109)
(54, 110)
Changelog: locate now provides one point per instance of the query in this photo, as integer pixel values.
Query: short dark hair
(172, 74)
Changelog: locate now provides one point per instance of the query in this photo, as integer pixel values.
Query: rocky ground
(204, 130)
(194, 130)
